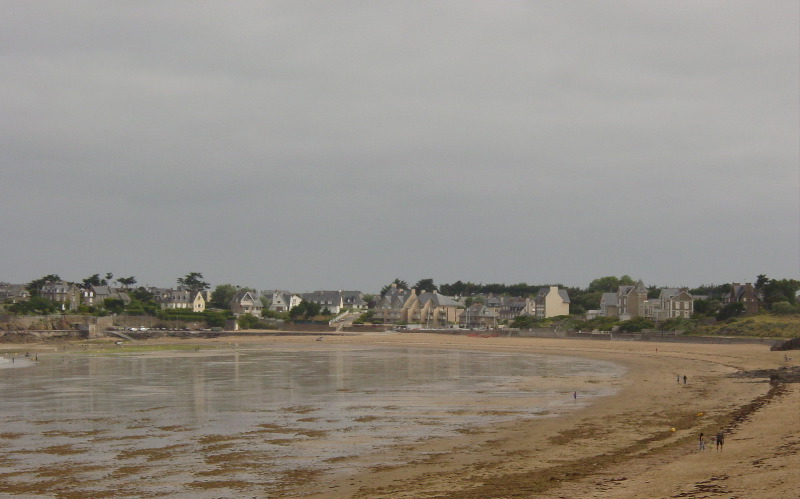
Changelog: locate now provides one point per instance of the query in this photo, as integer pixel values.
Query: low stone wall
(30, 336)
(665, 336)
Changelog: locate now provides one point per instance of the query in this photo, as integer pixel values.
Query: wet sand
(620, 446)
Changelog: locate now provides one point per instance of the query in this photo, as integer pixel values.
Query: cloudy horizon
(343, 144)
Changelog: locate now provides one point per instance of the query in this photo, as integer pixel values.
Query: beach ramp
(121, 335)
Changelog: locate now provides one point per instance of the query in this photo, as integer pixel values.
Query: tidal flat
(230, 420)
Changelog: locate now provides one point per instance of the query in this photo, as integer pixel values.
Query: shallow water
(224, 424)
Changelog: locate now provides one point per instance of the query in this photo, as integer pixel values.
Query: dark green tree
(36, 305)
(398, 282)
(779, 290)
(127, 281)
(610, 283)
(35, 287)
(425, 285)
(636, 324)
(222, 295)
(194, 282)
(114, 305)
(706, 307)
(93, 280)
(730, 310)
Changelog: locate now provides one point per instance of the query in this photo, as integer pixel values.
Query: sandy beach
(622, 445)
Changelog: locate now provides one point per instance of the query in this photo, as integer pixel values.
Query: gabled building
(180, 299)
(627, 302)
(551, 302)
(283, 301)
(514, 307)
(478, 316)
(430, 309)
(389, 307)
(246, 302)
(13, 293)
(671, 303)
(336, 301)
(609, 305)
(95, 296)
(64, 294)
(631, 300)
(744, 294)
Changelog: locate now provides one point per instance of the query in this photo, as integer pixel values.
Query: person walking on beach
(678, 378)
(702, 442)
(684, 379)
(720, 439)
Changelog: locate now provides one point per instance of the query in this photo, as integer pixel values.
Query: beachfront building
(744, 294)
(430, 309)
(551, 302)
(246, 302)
(627, 302)
(389, 307)
(284, 301)
(515, 306)
(336, 301)
(64, 294)
(478, 316)
(13, 293)
(95, 296)
(671, 303)
(180, 298)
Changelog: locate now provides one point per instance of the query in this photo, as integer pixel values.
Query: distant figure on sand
(684, 379)
(678, 378)
(575, 395)
(720, 439)
(702, 442)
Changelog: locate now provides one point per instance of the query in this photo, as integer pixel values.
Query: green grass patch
(758, 326)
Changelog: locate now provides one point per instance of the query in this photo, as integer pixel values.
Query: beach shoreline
(621, 445)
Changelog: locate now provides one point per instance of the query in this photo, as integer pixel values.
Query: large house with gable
(13, 293)
(283, 301)
(97, 295)
(65, 294)
(632, 301)
(246, 302)
(389, 307)
(478, 316)
(180, 298)
(627, 302)
(430, 309)
(671, 303)
(336, 301)
(744, 294)
(551, 302)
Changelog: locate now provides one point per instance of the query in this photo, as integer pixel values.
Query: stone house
(13, 293)
(515, 306)
(671, 303)
(627, 302)
(744, 294)
(65, 294)
(94, 296)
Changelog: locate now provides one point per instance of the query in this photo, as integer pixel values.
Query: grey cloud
(343, 144)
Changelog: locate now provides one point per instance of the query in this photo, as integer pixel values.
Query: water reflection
(310, 405)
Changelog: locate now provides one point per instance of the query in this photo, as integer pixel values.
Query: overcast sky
(308, 145)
